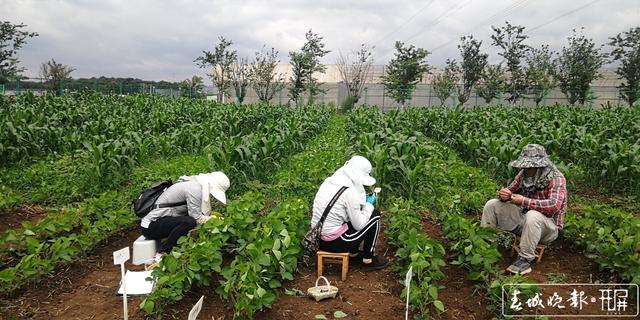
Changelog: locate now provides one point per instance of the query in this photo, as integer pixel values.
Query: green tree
(627, 51)
(55, 75)
(471, 66)
(11, 40)
(577, 66)
(444, 84)
(240, 78)
(511, 39)
(354, 69)
(263, 77)
(492, 82)
(305, 63)
(539, 73)
(192, 88)
(220, 61)
(404, 71)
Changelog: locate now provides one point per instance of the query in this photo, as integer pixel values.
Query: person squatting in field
(353, 219)
(533, 206)
(182, 206)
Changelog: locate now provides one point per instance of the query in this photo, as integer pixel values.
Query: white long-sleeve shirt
(189, 191)
(350, 207)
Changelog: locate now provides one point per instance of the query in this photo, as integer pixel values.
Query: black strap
(170, 204)
(330, 205)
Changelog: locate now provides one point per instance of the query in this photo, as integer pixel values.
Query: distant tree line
(525, 72)
(103, 84)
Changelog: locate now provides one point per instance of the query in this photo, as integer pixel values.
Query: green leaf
(433, 292)
(339, 314)
(439, 305)
(474, 275)
(293, 292)
(320, 317)
(28, 232)
(148, 306)
(274, 283)
(287, 241)
(263, 260)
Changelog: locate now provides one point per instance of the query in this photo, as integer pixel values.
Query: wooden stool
(333, 257)
(539, 251)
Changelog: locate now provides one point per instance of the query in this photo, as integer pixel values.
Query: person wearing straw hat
(192, 195)
(533, 206)
(352, 220)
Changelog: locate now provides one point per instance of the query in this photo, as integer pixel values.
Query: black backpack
(147, 199)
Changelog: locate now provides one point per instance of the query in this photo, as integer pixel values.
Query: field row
(59, 239)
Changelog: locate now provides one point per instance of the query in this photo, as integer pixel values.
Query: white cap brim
(219, 194)
(368, 180)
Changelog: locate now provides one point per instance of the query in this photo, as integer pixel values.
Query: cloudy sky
(158, 40)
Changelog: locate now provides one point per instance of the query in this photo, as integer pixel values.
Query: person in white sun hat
(352, 219)
(182, 206)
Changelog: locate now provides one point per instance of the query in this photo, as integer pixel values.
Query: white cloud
(160, 39)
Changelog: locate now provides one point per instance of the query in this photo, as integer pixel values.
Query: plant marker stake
(407, 283)
(376, 191)
(193, 314)
(120, 257)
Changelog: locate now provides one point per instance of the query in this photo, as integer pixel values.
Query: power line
(441, 18)
(406, 22)
(519, 4)
(563, 15)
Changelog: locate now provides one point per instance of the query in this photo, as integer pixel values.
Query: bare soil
(12, 218)
(461, 298)
(86, 289)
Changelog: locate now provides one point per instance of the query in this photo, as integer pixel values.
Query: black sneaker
(357, 259)
(376, 263)
(520, 266)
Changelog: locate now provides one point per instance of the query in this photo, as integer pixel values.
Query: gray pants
(533, 227)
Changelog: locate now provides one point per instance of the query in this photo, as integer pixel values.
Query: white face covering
(354, 174)
(215, 184)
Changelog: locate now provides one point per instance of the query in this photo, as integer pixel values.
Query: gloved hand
(203, 219)
(217, 215)
(371, 199)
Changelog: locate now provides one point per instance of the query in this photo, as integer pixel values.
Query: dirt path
(83, 290)
(86, 290)
(461, 301)
(12, 218)
(364, 295)
(562, 262)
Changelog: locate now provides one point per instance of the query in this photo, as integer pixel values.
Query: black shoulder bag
(311, 240)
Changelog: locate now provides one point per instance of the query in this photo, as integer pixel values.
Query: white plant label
(407, 283)
(121, 256)
(407, 279)
(193, 314)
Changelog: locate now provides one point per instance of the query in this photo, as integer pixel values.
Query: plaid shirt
(551, 201)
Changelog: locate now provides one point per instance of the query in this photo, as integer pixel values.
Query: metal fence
(334, 93)
(424, 96)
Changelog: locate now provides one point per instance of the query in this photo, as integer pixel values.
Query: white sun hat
(214, 183)
(358, 168)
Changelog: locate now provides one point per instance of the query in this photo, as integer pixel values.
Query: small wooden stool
(333, 257)
(539, 251)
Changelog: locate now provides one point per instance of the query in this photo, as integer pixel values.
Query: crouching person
(533, 206)
(352, 220)
(182, 206)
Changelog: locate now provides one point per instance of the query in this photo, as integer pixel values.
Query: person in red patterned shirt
(533, 206)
